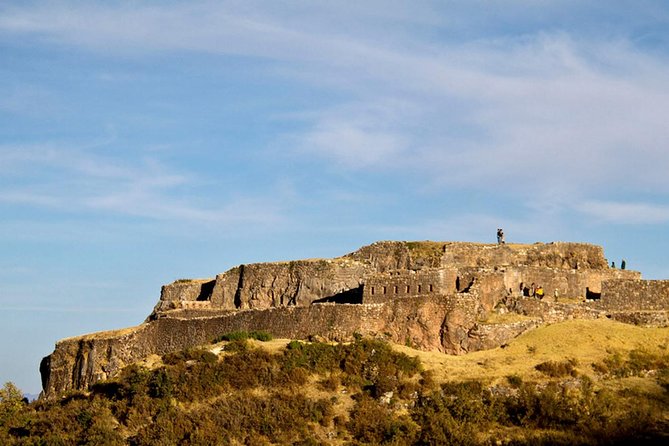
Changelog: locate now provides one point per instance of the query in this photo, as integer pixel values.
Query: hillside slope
(576, 382)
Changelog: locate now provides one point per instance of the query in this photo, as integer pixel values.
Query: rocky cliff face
(266, 285)
(433, 295)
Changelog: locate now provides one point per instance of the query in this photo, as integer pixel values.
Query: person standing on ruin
(500, 236)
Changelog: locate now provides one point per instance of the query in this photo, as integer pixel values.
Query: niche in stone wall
(352, 296)
(206, 290)
(592, 295)
(460, 285)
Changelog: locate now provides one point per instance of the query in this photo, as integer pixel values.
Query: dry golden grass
(587, 341)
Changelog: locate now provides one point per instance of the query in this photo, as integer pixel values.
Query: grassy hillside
(578, 382)
(587, 341)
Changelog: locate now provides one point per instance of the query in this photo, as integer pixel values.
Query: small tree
(11, 401)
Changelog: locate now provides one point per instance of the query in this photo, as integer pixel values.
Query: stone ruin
(440, 296)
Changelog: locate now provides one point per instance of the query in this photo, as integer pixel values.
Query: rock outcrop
(440, 296)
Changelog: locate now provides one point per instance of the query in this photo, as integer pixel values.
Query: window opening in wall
(419, 288)
(384, 290)
(395, 289)
(408, 288)
(372, 290)
(431, 288)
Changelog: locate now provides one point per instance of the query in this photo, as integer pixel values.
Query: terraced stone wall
(635, 295)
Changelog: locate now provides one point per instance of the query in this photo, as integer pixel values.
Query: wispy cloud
(538, 114)
(72, 180)
(626, 213)
(78, 310)
(547, 107)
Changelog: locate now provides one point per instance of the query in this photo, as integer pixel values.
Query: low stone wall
(635, 295)
(642, 318)
(77, 363)
(552, 312)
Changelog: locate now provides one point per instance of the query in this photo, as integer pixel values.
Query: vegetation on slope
(366, 392)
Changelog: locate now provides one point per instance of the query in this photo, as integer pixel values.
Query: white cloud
(542, 114)
(359, 135)
(626, 213)
(71, 180)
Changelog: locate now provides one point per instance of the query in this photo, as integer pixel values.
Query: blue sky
(142, 142)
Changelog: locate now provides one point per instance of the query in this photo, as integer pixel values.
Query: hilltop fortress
(442, 296)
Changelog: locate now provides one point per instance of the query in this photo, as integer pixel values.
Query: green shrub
(514, 380)
(374, 423)
(191, 354)
(242, 335)
(330, 383)
(637, 363)
(160, 384)
(261, 336)
(465, 401)
(427, 381)
(237, 346)
(11, 402)
(316, 356)
(437, 424)
(558, 369)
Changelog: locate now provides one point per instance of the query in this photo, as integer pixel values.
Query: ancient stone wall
(225, 288)
(634, 295)
(296, 283)
(557, 255)
(392, 255)
(77, 363)
(432, 295)
(406, 283)
(266, 285)
(383, 256)
(185, 290)
(568, 283)
(568, 267)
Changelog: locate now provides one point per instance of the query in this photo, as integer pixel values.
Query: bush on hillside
(637, 362)
(558, 369)
(242, 335)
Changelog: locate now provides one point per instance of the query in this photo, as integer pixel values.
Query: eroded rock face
(430, 295)
(174, 295)
(266, 285)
